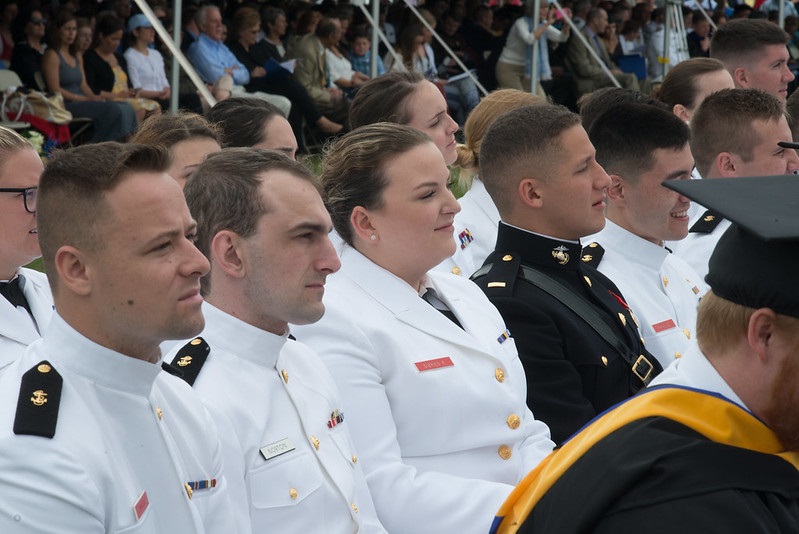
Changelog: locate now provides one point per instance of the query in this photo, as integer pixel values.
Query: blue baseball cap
(138, 21)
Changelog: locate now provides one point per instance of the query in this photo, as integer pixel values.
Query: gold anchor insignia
(708, 218)
(587, 257)
(39, 397)
(184, 361)
(561, 254)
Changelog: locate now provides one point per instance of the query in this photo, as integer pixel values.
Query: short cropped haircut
(740, 42)
(224, 193)
(241, 120)
(385, 99)
(626, 135)
(354, 169)
(594, 104)
(721, 324)
(519, 144)
(723, 123)
(481, 117)
(680, 84)
(71, 208)
(168, 129)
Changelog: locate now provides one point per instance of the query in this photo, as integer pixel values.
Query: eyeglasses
(39, 21)
(28, 195)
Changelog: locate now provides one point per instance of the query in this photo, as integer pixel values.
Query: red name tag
(432, 365)
(664, 325)
(141, 505)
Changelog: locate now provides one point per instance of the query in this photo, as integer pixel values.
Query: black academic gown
(573, 374)
(652, 466)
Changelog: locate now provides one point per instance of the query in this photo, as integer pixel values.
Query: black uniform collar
(539, 250)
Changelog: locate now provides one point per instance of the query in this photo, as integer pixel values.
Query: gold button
(499, 374)
(622, 319)
(593, 245)
(293, 494)
(315, 442)
(505, 452)
(678, 355)
(44, 368)
(665, 281)
(159, 412)
(196, 341)
(354, 459)
(285, 375)
(687, 333)
(507, 257)
(604, 361)
(514, 421)
(587, 281)
(354, 508)
(456, 270)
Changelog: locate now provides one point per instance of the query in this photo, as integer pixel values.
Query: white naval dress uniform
(438, 414)
(17, 330)
(660, 288)
(697, 247)
(128, 439)
(476, 227)
(291, 464)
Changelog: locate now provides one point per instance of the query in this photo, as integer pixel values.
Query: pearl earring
(373, 237)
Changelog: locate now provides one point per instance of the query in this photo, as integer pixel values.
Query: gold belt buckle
(643, 361)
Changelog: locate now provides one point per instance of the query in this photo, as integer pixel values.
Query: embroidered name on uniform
(503, 337)
(273, 450)
(465, 238)
(336, 418)
(432, 365)
(664, 325)
(141, 504)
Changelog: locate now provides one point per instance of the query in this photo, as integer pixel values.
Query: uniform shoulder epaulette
(592, 254)
(190, 359)
(498, 278)
(706, 223)
(39, 399)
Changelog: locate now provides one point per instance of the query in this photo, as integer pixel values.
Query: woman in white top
(435, 399)
(145, 64)
(407, 98)
(477, 224)
(26, 305)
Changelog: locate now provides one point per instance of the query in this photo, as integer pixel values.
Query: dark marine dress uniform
(573, 371)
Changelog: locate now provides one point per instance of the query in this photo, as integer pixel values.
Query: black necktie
(431, 298)
(13, 293)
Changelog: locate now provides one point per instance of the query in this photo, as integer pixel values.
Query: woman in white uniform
(477, 224)
(26, 304)
(435, 399)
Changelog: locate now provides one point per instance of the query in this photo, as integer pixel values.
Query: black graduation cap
(756, 261)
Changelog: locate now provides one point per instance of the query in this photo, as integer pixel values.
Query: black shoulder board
(39, 398)
(706, 223)
(172, 370)
(498, 279)
(190, 359)
(592, 254)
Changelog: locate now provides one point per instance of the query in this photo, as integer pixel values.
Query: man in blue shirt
(213, 59)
